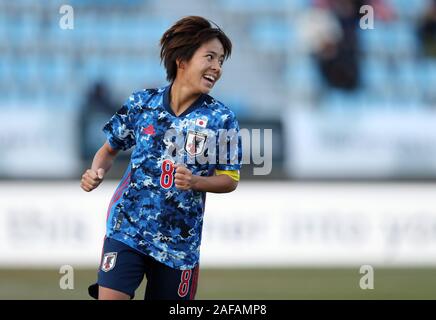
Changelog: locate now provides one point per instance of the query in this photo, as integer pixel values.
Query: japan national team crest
(109, 260)
(195, 142)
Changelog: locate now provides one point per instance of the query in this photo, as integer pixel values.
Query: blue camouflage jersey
(147, 212)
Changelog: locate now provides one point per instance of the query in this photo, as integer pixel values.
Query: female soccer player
(155, 217)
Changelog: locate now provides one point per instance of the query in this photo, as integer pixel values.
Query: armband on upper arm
(234, 174)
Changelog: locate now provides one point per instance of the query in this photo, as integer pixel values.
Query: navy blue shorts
(123, 268)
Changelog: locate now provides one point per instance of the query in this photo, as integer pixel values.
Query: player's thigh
(165, 283)
(110, 294)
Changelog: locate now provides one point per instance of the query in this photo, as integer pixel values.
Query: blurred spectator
(330, 31)
(326, 32)
(94, 113)
(338, 61)
(427, 30)
(383, 10)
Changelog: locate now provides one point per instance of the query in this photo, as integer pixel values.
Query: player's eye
(209, 57)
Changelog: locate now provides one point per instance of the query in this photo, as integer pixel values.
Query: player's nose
(216, 67)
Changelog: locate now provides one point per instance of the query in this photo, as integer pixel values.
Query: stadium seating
(121, 46)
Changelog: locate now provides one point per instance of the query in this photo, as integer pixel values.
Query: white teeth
(211, 78)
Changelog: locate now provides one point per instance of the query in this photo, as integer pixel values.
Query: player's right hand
(91, 179)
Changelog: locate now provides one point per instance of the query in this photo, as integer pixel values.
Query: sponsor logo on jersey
(148, 130)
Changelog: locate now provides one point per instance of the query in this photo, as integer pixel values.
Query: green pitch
(283, 284)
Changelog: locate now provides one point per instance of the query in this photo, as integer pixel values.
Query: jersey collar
(166, 103)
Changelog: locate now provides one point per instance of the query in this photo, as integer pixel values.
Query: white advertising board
(258, 225)
(374, 143)
(38, 142)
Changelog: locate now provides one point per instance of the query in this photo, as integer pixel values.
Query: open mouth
(210, 79)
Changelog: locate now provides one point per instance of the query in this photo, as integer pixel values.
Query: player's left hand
(184, 177)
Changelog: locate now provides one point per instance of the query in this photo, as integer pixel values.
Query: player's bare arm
(185, 180)
(101, 164)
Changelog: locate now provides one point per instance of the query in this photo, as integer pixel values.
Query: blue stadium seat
(271, 35)
(5, 68)
(302, 70)
(428, 74)
(371, 39)
(105, 3)
(375, 72)
(389, 38)
(257, 5)
(405, 38)
(407, 9)
(408, 81)
(302, 78)
(406, 73)
(92, 67)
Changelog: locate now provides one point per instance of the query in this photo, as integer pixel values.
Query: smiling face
(204, 69)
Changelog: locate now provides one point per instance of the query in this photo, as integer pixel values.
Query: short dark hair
(184, 38)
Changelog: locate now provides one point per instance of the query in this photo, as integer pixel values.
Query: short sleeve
(229, 144)
(120, 129)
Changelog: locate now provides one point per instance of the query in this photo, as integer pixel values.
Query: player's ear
(180, 63)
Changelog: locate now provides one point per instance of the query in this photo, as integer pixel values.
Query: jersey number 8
(167, 176)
